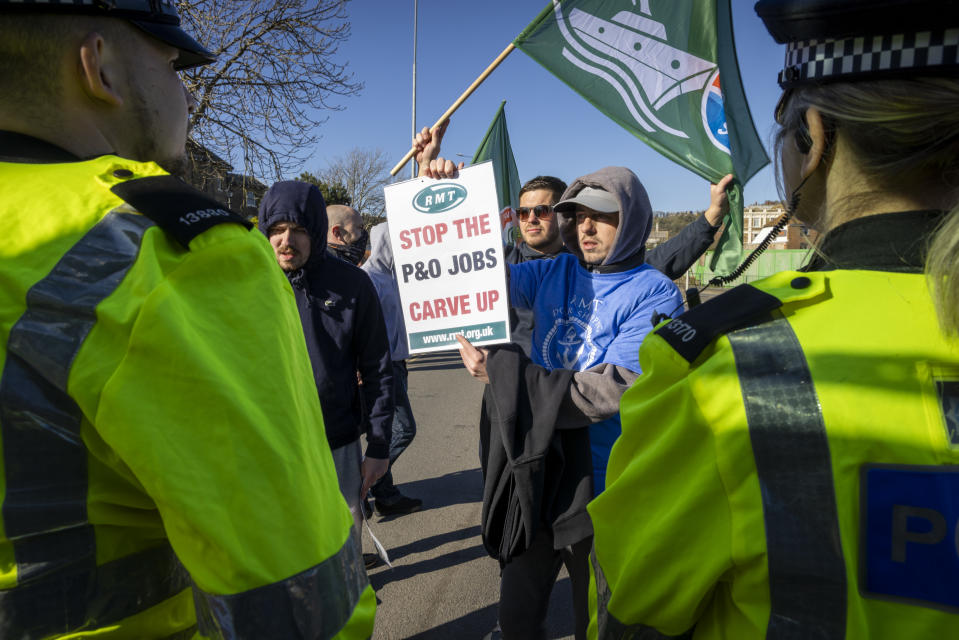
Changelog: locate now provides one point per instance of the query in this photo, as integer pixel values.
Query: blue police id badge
(910, 541)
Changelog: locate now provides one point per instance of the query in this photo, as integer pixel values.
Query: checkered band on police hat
(870, 57)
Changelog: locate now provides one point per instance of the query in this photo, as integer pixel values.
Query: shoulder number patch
(691, 333)
(176, 207)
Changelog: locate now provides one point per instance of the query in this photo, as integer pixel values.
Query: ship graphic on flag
(654, 67)
(632, 53)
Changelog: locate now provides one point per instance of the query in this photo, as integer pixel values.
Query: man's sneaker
(398, 507)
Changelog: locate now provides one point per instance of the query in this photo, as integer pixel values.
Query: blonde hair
(942, 270)
(904, 134)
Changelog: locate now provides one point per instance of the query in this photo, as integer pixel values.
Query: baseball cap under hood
(635, 214)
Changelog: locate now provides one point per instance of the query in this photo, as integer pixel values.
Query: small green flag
(655, 69)
(495, 147)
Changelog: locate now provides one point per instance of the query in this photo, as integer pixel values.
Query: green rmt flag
(666, 71)
(496, 147)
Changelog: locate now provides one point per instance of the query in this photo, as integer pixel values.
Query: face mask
(353, 252)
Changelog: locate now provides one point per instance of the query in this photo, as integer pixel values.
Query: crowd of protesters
(778, 462)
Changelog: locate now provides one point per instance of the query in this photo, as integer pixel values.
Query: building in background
(758, 219)
(214, 176)
(758, 223)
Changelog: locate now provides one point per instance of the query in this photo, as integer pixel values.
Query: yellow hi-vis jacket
(795, 478)
(164, 458)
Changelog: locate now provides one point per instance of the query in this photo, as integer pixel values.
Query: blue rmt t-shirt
(583, 319)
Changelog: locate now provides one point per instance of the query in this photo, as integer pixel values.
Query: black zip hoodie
(342, 323)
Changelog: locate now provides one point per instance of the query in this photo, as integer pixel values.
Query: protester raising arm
(675, 256)
(427, 144)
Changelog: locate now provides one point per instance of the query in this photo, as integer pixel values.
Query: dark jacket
(534, 475)
(675, 256)
(342, 323)
(522, 252)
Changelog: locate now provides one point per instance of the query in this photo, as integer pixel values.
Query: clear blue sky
(552, 129)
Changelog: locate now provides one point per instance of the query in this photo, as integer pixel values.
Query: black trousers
(527, 582)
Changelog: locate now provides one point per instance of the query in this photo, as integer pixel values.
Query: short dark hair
(549, 183)
(32, 49)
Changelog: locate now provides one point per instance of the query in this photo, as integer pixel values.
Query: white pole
(456, 105)
(413, 166)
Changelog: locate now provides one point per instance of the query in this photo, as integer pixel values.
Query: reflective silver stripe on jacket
(316, 603)
(807, 575)
(88, 598)
(45, 459)
(608, 627)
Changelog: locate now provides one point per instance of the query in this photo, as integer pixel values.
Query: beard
(178, 166)
(151, 143)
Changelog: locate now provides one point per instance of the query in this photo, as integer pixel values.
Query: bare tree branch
(259, 103)
(364, 173)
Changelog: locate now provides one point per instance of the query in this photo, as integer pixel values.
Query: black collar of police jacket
(895, 242)
(24, 149)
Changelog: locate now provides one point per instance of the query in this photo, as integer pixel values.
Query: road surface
(442, 585)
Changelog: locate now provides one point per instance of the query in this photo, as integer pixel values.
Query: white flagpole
(413, 167)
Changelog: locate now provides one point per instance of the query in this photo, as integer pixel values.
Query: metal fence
(766, 264)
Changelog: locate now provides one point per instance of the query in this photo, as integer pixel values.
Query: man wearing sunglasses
(537, 224)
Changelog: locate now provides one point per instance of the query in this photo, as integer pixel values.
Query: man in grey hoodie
(387, 499)
(592, 307)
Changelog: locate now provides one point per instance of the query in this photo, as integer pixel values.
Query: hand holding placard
(449, 259)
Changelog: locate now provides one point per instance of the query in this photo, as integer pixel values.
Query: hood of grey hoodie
(381, 251)
(379, 266)
(635, 214)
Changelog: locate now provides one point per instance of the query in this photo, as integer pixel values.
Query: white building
(757, 217)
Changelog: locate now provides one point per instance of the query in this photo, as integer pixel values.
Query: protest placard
(448, 254)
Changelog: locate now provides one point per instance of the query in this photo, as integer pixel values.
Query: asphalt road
(442, 584)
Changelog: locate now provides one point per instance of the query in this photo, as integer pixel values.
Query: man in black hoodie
(344, 331)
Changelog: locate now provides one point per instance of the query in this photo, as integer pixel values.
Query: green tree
(333, 193)
(674, 222)
(364, 173)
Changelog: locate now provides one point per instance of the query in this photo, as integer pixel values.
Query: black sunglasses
(542, 211)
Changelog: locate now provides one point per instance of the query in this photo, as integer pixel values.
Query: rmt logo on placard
(439, 197)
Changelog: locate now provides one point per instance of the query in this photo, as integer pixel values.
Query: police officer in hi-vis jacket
(165, 472)
(789, 462)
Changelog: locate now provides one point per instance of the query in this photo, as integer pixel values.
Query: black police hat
(158, 18)
(830, 40)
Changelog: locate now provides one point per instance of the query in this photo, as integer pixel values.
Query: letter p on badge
(909, 547)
